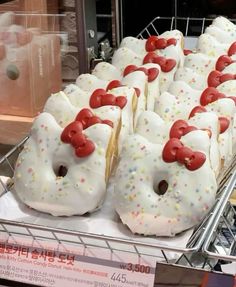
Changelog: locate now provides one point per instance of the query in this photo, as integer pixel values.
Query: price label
(98, 267)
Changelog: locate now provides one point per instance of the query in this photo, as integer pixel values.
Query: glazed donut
(151, 126)
(64, 171)
(106, 71)
(153, 197)
(80, 98)
(124, 57)
(169, 44)
(208, 45)
(171, 107)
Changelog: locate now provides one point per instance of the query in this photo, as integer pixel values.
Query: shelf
(14, 128)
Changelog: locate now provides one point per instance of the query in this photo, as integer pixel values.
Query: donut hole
(60, 171)
(161, 187)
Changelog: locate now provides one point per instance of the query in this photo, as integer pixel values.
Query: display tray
(104, 224)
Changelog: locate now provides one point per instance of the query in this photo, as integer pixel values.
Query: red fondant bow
(116, 83)
(223, 121)
(72, 134)
(222, 62)
(174, 150)
(166, 64)
(100, 98)
(151, 73)
(180, 128)
(232, 49)
(210, 95)
(154, 42)
(215, 78)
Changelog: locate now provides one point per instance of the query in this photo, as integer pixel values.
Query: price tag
(98, 267)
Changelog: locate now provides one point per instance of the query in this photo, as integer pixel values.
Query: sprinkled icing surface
(210, 46)
(221, 35)
(83, 187)
(193, 79)
(183, 205)
(201, 63)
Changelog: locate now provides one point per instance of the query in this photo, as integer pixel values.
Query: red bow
(100, 98)
(166, 64)
(151, 73)
(232, 49)
(87, 118)
(174, 150)
(180, 128)
(222, 62)
(215, 78)
(210, 95)
(154, 42)
(73, 133)
(116, 83)
(223, 121)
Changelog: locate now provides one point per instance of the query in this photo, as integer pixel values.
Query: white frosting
(81, 190)
(124, 57)
(200, 63)
(138, 80)
(221, 35)
(193, 79)
(224, 24)
(185, 203)
(210, 46)
(107, 72)
(89, 83)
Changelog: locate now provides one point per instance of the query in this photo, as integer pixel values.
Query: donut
(168, 44)
(155, 197)
(80, 98)
(106, 71)
(225, 24)
(64, 173)
(179, 106)
(124, 57)
(151, 126)
(208, 45)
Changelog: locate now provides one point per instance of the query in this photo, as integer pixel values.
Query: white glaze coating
(193, 79)
(81, 190)
(224, 24)
(221, 35)
(201, 63)
(107, 72)
(185, 203)
(210, 46)
(89, 83)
